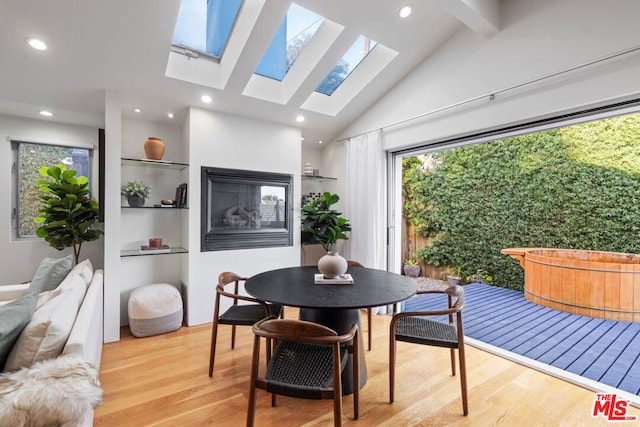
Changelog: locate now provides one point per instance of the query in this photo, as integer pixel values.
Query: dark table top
(295, 287)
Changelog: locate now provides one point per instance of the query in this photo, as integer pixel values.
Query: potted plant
(135, 192)
(411, 268)
(326, 226)
(68, 214)
(455, 275)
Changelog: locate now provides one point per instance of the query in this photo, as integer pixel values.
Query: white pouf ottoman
(154, 309)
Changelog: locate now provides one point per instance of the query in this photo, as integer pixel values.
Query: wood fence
(411, 242)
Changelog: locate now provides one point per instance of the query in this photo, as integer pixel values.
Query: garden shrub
(576, 187)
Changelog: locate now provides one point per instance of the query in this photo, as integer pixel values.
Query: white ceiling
(123, 46)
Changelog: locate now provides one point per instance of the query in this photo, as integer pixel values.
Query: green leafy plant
(456, 271)
(576, 187)
(410, 262)
(135, 188)
(325, 225)
(68, 214)
(480, 276)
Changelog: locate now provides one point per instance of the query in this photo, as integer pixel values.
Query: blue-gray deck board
(602, 350)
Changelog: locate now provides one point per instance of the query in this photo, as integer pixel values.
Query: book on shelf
(343, 279)
(181, 195)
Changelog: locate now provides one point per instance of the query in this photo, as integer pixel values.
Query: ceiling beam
(482, 16)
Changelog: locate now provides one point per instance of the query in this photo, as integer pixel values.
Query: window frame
(15, 177)
(196, 53)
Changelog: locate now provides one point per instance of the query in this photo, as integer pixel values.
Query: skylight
(204, 26)
(354, 56)
(293, 35)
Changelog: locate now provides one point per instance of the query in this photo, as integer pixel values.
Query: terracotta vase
(332, 265)
(154, 148)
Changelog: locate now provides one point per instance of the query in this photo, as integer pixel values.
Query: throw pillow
(50, 273)
(46, 333)
(75, 285)
(85, 270)
(14, 316)
(46, 296)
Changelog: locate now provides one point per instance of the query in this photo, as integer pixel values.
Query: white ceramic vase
(332, 265)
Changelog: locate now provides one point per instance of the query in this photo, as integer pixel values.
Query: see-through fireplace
(245, 209)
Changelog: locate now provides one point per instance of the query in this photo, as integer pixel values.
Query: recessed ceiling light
(46, 113)
(302, 138)
(37, 43)
(404, 11)
(320, 142)
(299, 118)
(170, 115)
(206, 98)
(137, 110)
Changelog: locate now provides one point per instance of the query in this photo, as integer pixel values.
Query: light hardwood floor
(163, 381)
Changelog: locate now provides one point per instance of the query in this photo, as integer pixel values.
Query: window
(205, 26)
(293, 35)
(354, 56)
(28, 159)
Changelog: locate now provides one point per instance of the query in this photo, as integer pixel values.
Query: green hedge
(576, 187)
(31, 158)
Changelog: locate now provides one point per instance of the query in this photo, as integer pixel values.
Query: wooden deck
(601, 354)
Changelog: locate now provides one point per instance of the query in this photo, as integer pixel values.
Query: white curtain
(366, 200)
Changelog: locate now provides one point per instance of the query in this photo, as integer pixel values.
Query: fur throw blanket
(55, 392)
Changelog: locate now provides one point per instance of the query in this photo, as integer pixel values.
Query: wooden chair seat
(248, 314)
(307, 363)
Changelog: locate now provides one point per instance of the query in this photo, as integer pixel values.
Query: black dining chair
(351, 263)
(307, 363)
(237, 314)
(415, 327)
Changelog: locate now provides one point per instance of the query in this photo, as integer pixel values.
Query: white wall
(20, 258)
(113, 143)
(537, 38)
(233, 142)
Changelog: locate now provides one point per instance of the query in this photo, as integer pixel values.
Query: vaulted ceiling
(124, 46)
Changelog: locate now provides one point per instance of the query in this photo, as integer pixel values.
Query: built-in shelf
(152, 207)
(318, 178)
(136, 252)
(153, 163)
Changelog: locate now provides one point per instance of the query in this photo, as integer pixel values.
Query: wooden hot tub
(589, 283)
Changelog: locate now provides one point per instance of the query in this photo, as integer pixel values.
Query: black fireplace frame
(243, 238)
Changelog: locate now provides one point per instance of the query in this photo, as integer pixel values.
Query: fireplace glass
(245, 209)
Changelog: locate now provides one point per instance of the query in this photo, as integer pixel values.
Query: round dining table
(334, 305)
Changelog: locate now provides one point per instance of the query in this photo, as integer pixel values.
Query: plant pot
(454, 280)
(136, 201)
(154, 148)
(332, 265)
(411, 270)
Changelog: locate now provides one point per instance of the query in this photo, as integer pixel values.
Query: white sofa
(86, 336)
